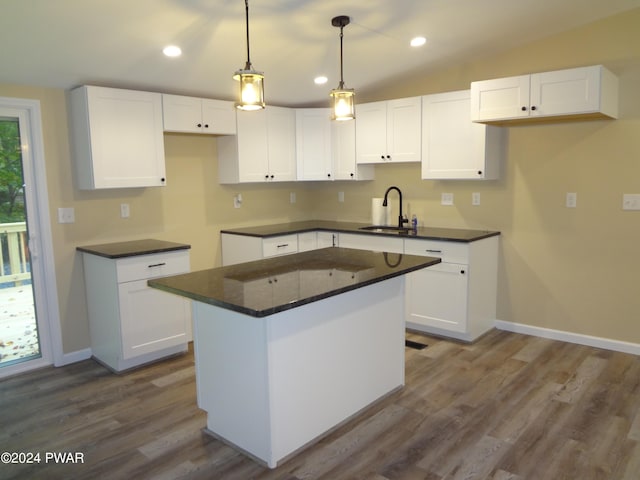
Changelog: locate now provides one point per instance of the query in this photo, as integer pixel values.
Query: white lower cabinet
(132, 324)
(245, 248)
(371, 242)
(455, 298)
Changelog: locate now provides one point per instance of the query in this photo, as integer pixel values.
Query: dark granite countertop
(132, 248)
(272, 285)
(426, 233)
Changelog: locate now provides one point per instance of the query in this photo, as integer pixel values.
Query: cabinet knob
(524, 109)
(533, 108)
(479, 172)
(271, 176)
(382, 157)
(199, 125)
(266, 177)
(388, 157)
(462, 272)
(206, 125)
(163, 180)
(351, 174)
(328, 175)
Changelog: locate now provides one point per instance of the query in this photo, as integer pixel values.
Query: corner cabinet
(325, 149)
(388, 131)
(117, 138)
(585, 92)
(263, 149)
(454, 147)
(198, 115)
(132, 324)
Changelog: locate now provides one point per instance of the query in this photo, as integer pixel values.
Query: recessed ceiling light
(321, 80)
(172, 51)
(418, 41)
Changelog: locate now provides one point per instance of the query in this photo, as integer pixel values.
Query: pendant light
(251, 81)
(342, 99)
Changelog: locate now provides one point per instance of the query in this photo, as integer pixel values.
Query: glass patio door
(18, 327)
(24, 336)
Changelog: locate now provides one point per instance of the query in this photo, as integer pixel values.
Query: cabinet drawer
(152, 266)
(451, 252)
(279, 245)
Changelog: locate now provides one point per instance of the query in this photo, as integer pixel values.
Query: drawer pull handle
(283, 245)
(157, 265)
(434, 251)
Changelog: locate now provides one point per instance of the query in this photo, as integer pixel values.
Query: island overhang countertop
(265, 287)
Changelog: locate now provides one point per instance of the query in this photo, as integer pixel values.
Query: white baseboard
(74, 357)
(606, 343)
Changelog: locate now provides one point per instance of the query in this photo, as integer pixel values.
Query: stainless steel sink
(386, 229)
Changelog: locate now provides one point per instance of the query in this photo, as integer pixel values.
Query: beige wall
(565, 269)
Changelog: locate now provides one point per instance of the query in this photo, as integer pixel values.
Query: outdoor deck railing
(14, 253)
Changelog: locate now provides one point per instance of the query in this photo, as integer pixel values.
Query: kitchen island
(289, 348)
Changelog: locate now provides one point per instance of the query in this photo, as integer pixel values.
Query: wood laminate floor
(509, 406)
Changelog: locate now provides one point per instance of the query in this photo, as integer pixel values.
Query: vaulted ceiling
(64, 43)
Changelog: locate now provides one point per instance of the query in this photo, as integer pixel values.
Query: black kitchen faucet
(401, 219)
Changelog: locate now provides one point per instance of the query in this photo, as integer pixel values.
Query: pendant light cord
(246, 4)
(341, 86)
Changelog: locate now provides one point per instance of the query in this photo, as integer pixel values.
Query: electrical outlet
(475, 198)
(237, 200)
(631, 201)
(341, 197)
(446, 199)
(292, 197)
(66, 215)
(571, 200)
(124, 210)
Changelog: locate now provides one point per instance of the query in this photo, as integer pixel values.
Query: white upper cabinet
(343, 152)
(198, 115)
(577, 92)
(313, 144)
(455, 148)
(117, 138)
(263, 149)
(326, 149)
(388, 131)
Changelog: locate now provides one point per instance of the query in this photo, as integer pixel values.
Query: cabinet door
(565, 92)
(252, 144)
(370, 242)
(343, 153)
(404, 129)
(313, 144)
(118, 138)
(150, 319)
(371, 133)
(281, 127)
(453, 147)
(437, 297)
(181, 114)
(500, 99)
(218, 117)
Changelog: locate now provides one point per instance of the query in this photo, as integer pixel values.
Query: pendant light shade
(251, 81)
(342, 99)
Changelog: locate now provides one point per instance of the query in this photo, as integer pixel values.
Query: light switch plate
(475, 198)
(631, 201)
(446, 199)
(571, 200)
(66, 215)
(125, 212)
(341, 197)
(292, 197)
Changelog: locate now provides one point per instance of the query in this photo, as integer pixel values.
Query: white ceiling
(64, 43)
